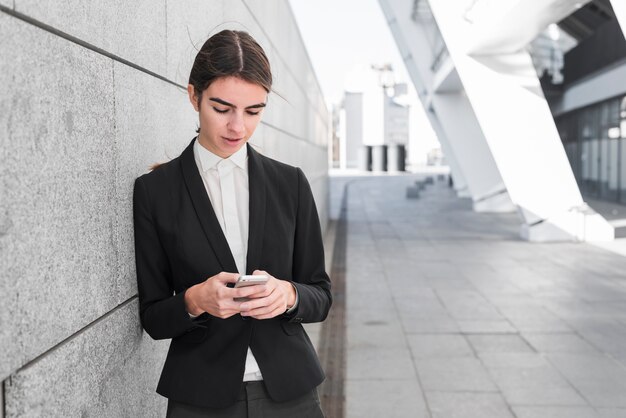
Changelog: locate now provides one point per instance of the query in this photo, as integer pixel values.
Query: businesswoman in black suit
(219, 210)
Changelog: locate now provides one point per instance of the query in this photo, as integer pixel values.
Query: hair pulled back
(230, 53)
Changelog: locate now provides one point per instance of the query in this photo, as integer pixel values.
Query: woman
(219, 210)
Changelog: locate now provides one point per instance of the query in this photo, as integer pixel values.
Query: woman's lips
(232, 139)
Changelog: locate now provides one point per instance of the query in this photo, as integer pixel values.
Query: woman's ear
(191, 91)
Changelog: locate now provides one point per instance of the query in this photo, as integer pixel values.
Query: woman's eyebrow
(225, 103)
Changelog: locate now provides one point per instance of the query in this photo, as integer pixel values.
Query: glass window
(594, 139)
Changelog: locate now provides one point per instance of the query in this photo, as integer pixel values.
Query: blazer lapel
(256, 184)
(204, 210)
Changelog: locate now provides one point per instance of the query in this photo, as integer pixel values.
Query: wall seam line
(84, 44)
(3, 411)
(74, 335)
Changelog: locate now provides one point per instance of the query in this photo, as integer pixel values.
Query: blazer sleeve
(163, 314)
(309, 271)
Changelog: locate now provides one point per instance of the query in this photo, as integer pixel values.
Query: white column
(460, 184)
(468, 154)
(487, 189)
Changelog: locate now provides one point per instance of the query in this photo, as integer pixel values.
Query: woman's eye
(252, 113)
(220, 110)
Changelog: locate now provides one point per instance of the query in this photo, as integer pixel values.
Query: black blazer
(179, 242)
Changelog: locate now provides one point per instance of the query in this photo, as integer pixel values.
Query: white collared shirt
(207, 166)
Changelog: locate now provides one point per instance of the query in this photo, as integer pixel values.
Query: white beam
(465, 142)
(507, 26)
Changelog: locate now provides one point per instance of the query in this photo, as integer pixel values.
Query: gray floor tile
(539, 324)
(420, 309)
(486, 327)
(601, 380)
(434, 325)
(375, 334)
(611, 412)
(559, 343)
(380, 363)
(454, 374)
(424, 346)
(554, 412)
(364, 315)
(467, 405)
(535, 386)
(499, 343)
(512, 360)
(384, 398)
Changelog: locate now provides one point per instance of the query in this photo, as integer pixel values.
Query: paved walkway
(449, 314)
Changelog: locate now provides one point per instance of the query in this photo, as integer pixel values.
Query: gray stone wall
(92, 95)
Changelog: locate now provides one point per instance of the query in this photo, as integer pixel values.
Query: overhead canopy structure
(469, 62)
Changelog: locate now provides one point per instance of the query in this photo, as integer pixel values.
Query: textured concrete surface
(108, 370)
(464, 319)
(188, 28)
(154, 122)
(134, 31)
(56, 202)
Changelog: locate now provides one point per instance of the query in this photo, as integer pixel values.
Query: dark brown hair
(230, 53)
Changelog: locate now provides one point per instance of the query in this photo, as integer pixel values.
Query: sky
(342, 36)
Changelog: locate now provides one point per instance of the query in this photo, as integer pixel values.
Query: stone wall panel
(154, 122)
(189, 25)
(133, 30)
(111, 369)
(57, 197)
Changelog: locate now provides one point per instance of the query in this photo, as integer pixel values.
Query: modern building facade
(471, 65)
(373, 127)
(351, 129)
(396, 114)
(589, 105)
(91, 97)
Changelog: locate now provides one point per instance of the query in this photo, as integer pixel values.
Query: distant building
(396, 112)
(373, 125)
(351, 129)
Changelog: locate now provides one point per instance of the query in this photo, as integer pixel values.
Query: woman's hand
(214, 297)
(269, 300)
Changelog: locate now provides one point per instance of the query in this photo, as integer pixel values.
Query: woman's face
(230, 111)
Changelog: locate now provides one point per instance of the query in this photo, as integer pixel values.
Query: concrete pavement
(449, 314)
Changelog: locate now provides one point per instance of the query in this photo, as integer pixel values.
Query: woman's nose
(235, 124)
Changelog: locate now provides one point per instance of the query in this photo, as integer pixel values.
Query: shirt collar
(208, 160)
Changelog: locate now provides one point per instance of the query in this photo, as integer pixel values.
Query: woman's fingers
(264, 300)
(263, 308)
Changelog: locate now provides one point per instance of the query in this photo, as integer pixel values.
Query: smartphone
(249, 280)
